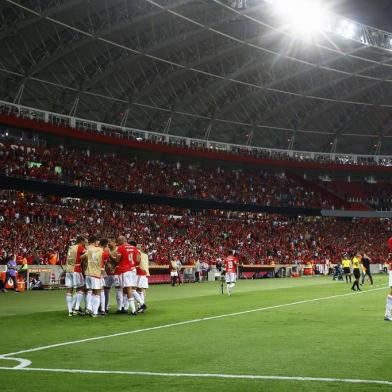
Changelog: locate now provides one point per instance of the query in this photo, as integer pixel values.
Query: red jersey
(231, 264)
(105, 258)
(109, 271)
(130, 257)
(140, 272)
(79, 253)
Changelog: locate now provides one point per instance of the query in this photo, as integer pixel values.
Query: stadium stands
(84, 129)
(87, 168)
(34, 226)
(375, 195)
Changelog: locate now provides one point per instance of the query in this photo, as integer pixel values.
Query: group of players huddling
(93, 267)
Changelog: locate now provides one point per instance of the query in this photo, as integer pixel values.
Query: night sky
(376, 13)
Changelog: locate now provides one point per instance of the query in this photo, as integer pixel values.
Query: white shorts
(173, 273)
(93, 283)
(141, 282)
(390, 278)
(74, 279)
(230, 277)
(111, 281)
(127, 279)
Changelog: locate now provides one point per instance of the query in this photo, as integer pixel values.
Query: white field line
(22, 362)
(207, 375)
(40, 348)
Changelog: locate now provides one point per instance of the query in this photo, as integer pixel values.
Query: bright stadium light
(305, 17)
(347, 29)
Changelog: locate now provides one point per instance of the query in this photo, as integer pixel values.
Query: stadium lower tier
(38, 229)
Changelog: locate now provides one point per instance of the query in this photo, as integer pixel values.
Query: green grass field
(308, 327)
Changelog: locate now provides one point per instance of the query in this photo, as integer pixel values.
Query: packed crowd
(112, 172)
(35, 228)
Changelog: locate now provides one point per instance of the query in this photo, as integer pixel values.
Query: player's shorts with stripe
(111, 281)
(127, 279)
(74, 279)
(141, 282)
(390, 278)
(173, 273)
(93, 283)
(230, 277)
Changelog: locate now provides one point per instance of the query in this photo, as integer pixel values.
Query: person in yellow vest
(74, 279)
(94, 271)
(346, 264)
(356, 263)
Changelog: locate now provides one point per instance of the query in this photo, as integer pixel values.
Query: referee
(366, 264)
(346, 264)
(357, 273)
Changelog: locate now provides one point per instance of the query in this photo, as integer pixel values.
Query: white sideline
(208, 375)
(184, 323)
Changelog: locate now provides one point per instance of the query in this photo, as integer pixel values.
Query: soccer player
(173, 272)
(142, 274)
(346, 264)
(135, 293)
(356, 271)
(179, 268)
(111, 279)
(94, 269)
(231, 272)
(73, 278)
(128, 256)
(366, 268)
(105, 260)
(122, 306)
(388, 308)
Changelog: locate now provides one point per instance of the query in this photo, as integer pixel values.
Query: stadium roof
(201, 69)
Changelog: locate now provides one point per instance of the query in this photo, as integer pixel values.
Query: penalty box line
(208, 375)
(40, 348)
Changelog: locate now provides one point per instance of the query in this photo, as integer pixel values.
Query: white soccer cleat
(387, 318)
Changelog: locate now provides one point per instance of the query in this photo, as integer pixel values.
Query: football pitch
(307, 334)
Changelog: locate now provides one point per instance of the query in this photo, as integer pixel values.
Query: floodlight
(304, 17)
(347, 29)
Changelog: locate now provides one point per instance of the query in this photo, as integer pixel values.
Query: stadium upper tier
(86, 168)
(186, 180)
(34, 226)
(77, 128)
(201, 69)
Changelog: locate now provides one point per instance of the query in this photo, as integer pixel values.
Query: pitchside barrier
(49, 275)
(52, 276)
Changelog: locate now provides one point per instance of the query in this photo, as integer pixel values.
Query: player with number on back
(231, 272)
(128, 257)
